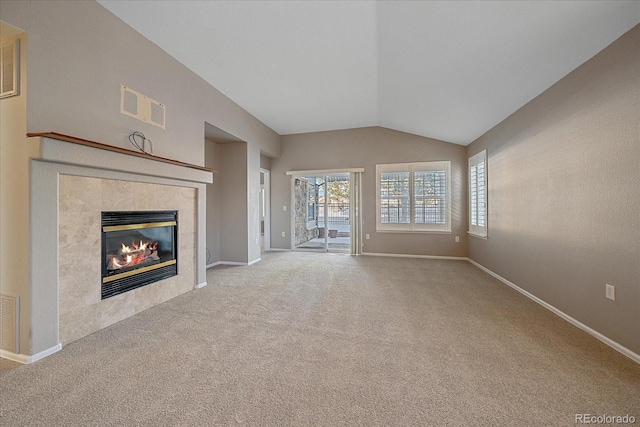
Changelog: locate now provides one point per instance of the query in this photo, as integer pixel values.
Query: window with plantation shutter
(478, 194)
(414, 197)
(9, 71)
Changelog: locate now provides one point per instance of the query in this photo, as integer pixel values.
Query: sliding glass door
(322, 212)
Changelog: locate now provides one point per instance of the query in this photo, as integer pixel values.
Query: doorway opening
(323, 214)
(265, 223)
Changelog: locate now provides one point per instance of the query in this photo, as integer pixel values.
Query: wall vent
(139, 106)
(9, 68)
(10, 323)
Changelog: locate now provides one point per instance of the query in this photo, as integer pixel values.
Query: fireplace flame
(136, 253)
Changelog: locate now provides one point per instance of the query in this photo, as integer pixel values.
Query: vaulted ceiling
(449, 70)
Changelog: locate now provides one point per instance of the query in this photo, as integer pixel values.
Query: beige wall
(364, 148)
(564, 206)
(79, 54)
(564, 210)
(233, 202)
(265, 162)
(212, 160)
(14, 194)
(233, 232)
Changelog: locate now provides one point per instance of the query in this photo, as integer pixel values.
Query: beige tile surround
(81, 201)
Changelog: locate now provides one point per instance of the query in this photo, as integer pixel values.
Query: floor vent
(9, 323)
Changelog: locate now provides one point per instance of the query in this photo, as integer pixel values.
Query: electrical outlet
(284, 208)
(366, 236)
(610, 291)
(283, 234)
(457, 239)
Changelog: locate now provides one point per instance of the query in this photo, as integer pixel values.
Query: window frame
(312, 222)
(480, 209)
(411, 169)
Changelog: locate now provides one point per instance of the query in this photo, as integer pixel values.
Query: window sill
(415, 231)
(479, 236)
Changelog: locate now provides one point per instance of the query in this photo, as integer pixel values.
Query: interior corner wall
(212, 160)
(232, 180)
(564, 207)
(14, 197)
(364, 148)
(224, 208)
(79, 54)
(265, 162)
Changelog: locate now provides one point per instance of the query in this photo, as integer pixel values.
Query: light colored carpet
(321, 339)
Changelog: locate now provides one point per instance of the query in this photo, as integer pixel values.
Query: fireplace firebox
(138, 248)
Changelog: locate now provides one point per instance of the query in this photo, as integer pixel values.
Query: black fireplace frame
(134, 279)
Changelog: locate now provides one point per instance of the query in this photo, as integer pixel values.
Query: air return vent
(9, 71)
(9, 323)
(136, 105)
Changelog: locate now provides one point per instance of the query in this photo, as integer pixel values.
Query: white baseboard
(279, 250)
(608, 341)
(243, 264)
(25, 360)
(226, 263)
(455, 258)
(200, 285)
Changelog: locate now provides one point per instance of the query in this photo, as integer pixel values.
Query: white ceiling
(449, 70)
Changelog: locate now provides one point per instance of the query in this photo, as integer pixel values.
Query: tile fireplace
(72, 183)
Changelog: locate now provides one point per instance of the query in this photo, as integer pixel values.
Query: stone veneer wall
(81, 201)
(302, 233)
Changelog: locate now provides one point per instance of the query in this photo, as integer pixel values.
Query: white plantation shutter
(430, 197)
(394, 196)
(9, 71)
(414, 197)
(478, 194)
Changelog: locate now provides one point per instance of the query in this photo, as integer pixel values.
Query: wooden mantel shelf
(115, 149)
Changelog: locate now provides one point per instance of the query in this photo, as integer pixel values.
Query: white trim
(200, 285)
(323, 172)
(475, 160)
(208, 266)
(321, 250)
(279, 250)
(266, 242)
(479, 236)
(229, 263)
(411, 169)
(57, 151)
(292, 214)
(608, 341)
(454, 258)
(415, 231)
(20, 358)
(243, 264)
(25, 360)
